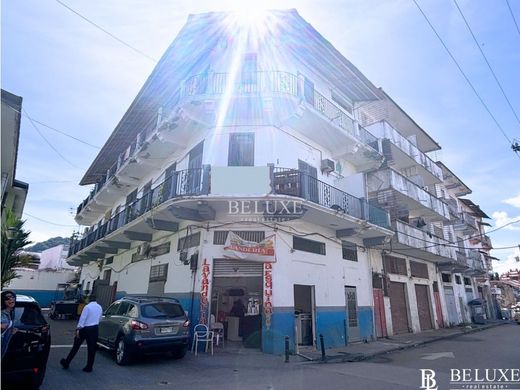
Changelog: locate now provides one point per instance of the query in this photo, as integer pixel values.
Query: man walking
(87, 329)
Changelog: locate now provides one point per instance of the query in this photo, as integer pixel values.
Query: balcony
(465, 223)
(422, 244)
(405, 193)
(400, 153)
(276, 97)
(179, 197)
(476, 263)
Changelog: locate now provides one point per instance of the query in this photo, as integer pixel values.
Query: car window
(161, 310)
(123, 308)
(112, 309)
(132, 312)
(29, 315)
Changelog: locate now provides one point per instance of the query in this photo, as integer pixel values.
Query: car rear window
(161, 310)
(29, 315)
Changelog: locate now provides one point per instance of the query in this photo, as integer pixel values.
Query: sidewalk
(362, 351)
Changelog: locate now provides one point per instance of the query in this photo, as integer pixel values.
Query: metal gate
(423, 306)
(379, 311)
(353, 333)
(104, 292)
(453, 317)
(398, 307)
(236, 268)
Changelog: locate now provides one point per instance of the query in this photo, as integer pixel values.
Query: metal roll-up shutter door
(234, 268)
(398, 307)
(423, 306)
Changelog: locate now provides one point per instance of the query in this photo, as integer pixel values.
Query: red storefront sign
(268, 293)
(204, 290)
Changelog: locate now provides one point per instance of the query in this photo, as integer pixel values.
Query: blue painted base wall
(330, 322)
(43, 297)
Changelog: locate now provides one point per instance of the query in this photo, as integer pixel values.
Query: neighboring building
(55, 258)
(14, 192)
(268, 169)
(511, 275)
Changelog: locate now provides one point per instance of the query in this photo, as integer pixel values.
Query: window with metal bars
(349, 251)
(394, 265)
(306, 245)
(188, 241)
(467, 281)
(446, 278)
(158, 272)
(457, 279)
(220, 236)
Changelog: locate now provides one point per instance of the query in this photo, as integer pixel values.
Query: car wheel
(122, 352)
(179, 353)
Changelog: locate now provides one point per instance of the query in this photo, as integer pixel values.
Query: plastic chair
(218, 330)
(201, 334)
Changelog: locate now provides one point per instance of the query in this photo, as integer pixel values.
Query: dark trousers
(89, 333)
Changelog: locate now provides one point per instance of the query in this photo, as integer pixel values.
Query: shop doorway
(236, 301)
(304, 310)
(352, 328)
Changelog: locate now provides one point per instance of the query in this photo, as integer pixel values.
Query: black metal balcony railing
(189, 182)
(296, 183)
(194, 182)
(245, 83)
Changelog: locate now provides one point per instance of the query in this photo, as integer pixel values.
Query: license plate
(167, 329)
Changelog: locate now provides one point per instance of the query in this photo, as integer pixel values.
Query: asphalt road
(498, 347)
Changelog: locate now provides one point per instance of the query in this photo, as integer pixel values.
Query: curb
(352, 359)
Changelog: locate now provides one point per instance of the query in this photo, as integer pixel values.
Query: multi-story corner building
(14, 192)
(257, 164)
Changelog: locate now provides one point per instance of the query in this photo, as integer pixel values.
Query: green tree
(14, 238)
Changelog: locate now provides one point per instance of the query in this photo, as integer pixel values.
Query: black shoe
(86, 369)
(64, 364)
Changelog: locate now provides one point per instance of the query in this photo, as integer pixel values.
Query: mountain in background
(51, 242)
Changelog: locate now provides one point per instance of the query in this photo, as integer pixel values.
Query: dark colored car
(136, 325)
(25, 361)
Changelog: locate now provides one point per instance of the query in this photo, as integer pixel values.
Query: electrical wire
(49, 222)
(468, 81)
(48, 143)
(107, 32)
(513, 16)
(487, 62)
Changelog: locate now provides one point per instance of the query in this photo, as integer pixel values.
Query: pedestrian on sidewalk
(8, 330)
(87, 329)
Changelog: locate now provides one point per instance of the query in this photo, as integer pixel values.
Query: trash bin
(477, 311)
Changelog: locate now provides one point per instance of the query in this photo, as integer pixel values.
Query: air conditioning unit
(327, 165)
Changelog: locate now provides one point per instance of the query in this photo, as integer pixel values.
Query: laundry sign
(238, 248)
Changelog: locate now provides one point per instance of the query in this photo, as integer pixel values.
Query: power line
(50, 127)
(463, 74)
(487, 62)
(49, 222)
(47, 141)
(107, 32)
(513, 16)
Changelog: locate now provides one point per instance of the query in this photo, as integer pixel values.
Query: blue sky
(77, 79)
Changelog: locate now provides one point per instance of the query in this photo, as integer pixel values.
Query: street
(497, 347)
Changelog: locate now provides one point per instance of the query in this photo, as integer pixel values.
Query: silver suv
(144, 324)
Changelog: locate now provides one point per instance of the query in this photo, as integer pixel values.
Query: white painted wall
(31, 279)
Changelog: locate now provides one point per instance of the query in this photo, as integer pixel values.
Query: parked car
(28, 351)
(137, 325)
(516, 314)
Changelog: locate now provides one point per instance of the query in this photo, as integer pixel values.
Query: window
(112, 310)
(241, 150)
(446, 278)
(306, 245)
(29, 315)
(132, 311)
(107, 274)
(109, 260)
(162, 310)
(349, 251)
(158, 272)
(467, 281)
(457, 279)
(188, 241)
(419, 270)
(220, 236)
(123, 308)
(395, 265)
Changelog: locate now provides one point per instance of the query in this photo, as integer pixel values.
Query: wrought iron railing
(296, 183)
(189, 182)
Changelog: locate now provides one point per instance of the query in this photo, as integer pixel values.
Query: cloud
(502, 219)
(514, 201)
(508, 264)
